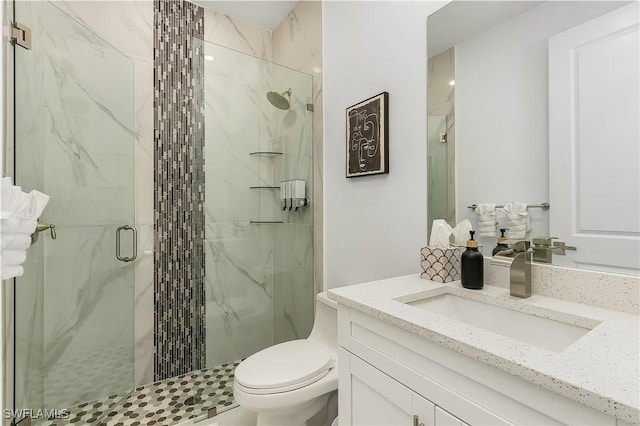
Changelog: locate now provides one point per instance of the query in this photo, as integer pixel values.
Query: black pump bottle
(501, 243)
(472, 276)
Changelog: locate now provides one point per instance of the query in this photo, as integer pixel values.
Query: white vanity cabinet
(389, 375)
(377, 399)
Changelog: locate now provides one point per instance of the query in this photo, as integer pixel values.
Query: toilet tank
(325, 322)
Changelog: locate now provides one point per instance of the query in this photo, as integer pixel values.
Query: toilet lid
(285, 365)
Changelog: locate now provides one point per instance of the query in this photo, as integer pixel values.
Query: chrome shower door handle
(135, 243)
(41, 227)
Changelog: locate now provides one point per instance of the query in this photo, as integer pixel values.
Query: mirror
(503, 130)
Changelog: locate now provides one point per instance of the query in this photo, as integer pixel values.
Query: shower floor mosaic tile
(162, 403)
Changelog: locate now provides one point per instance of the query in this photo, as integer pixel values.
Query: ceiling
(265, 14)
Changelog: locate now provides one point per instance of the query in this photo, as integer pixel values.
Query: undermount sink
(546, 333)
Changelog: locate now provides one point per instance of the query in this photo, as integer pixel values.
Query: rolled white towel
(10, 271)
(15, 241)
(517, 219)
(19, 213)
(15, 225)
(486, 220)
(13, 257)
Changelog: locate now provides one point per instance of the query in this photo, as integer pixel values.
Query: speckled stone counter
(600, 370)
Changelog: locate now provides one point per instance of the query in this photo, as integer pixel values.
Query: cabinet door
(423, 411)
(444, 418)
(377, 399)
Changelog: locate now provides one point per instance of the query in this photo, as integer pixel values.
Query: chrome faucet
(520, 270)
(544, 247)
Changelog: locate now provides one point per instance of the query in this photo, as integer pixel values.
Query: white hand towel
(19, 213)
(13, 241)
(15, 225)
(486, 220)
(10, 271)
(13, 257)
(517, 220)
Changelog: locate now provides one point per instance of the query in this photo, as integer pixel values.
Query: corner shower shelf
(266, 153)
(264, 187)
(264, 222)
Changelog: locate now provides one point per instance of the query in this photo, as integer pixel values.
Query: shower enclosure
(74, 139)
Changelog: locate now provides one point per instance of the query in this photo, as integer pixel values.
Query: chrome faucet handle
(521, 246)
(543, 242)
(560, 248)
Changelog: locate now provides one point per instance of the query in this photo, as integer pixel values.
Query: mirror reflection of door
(441, 138)
(594, 140)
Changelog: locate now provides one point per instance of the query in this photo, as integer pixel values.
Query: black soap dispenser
(472, 276)
(501, 243)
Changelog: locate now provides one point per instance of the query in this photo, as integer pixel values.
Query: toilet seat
(284, 367)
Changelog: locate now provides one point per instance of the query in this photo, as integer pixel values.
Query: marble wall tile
(239, 120)
(293, 275)
(126, 25)
(237, 35)
(143, 107)
(88, 350)
(238, 255)
(239, 290)
(297, 43)
(236, 125)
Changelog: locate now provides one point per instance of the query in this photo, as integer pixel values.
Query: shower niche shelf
(269, 154)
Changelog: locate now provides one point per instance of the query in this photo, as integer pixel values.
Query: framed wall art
(368, 137)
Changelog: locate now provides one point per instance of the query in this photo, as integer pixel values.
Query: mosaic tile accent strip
(179, 317)
(161, 403)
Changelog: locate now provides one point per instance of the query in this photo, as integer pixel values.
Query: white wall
(375, 226)
(502, 110)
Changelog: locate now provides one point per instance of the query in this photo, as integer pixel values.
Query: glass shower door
(74, 141)
(438, 171)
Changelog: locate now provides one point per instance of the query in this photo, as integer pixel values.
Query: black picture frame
(368, 137)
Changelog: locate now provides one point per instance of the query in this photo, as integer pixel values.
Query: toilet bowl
(289, 383)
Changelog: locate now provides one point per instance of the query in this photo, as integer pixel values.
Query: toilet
(287, 384)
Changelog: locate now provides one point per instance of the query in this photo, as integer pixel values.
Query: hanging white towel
(12, 241)
(486, 220)
(19, 213)
(517, 220)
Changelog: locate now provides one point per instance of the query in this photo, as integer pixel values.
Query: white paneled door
(594, 139)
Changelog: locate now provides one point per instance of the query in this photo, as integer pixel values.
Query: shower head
(278, 100)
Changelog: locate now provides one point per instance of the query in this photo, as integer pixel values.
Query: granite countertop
(600, 370)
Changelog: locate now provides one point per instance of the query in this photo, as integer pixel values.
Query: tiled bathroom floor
(161, 403)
